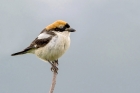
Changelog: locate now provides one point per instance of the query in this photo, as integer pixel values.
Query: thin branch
(53, 81)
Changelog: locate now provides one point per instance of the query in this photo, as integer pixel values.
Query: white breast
(55, 48)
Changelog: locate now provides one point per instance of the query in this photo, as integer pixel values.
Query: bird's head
(60, 26)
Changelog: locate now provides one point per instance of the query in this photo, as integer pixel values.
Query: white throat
(65, 33)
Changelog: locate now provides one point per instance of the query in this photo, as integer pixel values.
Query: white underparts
(55, 48)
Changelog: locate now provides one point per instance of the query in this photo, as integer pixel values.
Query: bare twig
(53, 81)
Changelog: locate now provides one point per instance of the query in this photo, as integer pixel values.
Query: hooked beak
(70, 29)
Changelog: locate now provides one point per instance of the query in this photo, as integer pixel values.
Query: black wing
(37, 43)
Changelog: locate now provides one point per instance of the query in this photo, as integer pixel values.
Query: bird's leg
(53, 68)
(56, 61)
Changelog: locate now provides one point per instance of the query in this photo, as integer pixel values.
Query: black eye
(67, 25)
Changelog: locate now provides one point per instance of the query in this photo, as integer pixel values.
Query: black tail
(19, 53)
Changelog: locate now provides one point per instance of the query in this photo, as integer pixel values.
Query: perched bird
(51, 44)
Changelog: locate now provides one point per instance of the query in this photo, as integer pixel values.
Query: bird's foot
(54, 69)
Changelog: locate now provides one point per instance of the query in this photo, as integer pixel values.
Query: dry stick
(53, 81)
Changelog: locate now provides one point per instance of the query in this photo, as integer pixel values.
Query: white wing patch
(35, 45)
(43, 35)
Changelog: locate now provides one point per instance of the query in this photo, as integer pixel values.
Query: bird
(51, 43)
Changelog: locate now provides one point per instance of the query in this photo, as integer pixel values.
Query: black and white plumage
(51, 43)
